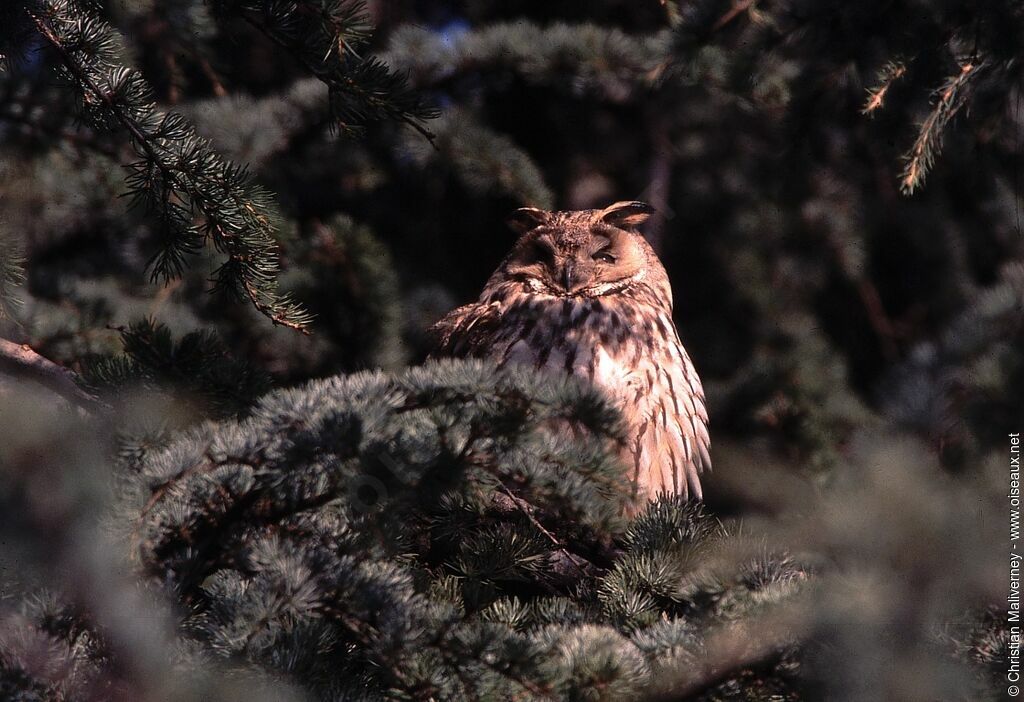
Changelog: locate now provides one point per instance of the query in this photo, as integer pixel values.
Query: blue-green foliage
(431, 534)
(449, 531)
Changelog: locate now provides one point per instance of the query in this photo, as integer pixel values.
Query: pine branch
(524, 507)
(19, 360)
(484, 161)
(198, 368)
(256, 130)
(951, 97)
(178, 176)
(581, 57)
(755, 645)
(893, 71)
(323, 36)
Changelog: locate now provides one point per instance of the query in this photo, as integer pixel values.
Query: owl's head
(586, 252)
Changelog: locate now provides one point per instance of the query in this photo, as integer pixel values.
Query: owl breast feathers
(583, 293)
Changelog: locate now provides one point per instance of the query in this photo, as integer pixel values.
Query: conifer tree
(226, 471)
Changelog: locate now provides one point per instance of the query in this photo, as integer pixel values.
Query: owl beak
(567, 272)
(571, 278)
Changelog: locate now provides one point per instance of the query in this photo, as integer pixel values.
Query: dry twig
(20, 361)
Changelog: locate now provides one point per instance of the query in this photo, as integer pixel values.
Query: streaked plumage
(583, 293)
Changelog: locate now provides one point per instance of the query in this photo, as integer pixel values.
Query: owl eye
(604, 256)
(543, 253)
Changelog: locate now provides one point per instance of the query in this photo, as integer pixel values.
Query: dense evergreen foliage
(226, 471)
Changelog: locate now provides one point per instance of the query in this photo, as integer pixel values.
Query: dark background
(855, 330)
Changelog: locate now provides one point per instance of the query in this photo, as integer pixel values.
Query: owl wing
(672, 444)
(693, 423)
(466, 331)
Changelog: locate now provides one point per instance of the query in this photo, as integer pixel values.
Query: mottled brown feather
(555, 303)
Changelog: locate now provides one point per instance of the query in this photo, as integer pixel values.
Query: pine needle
(952, 96)
(893, 71)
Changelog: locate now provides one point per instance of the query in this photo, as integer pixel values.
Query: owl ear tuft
(627, 213)
(526, 218)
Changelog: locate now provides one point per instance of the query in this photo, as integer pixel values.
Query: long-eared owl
(583, 292)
